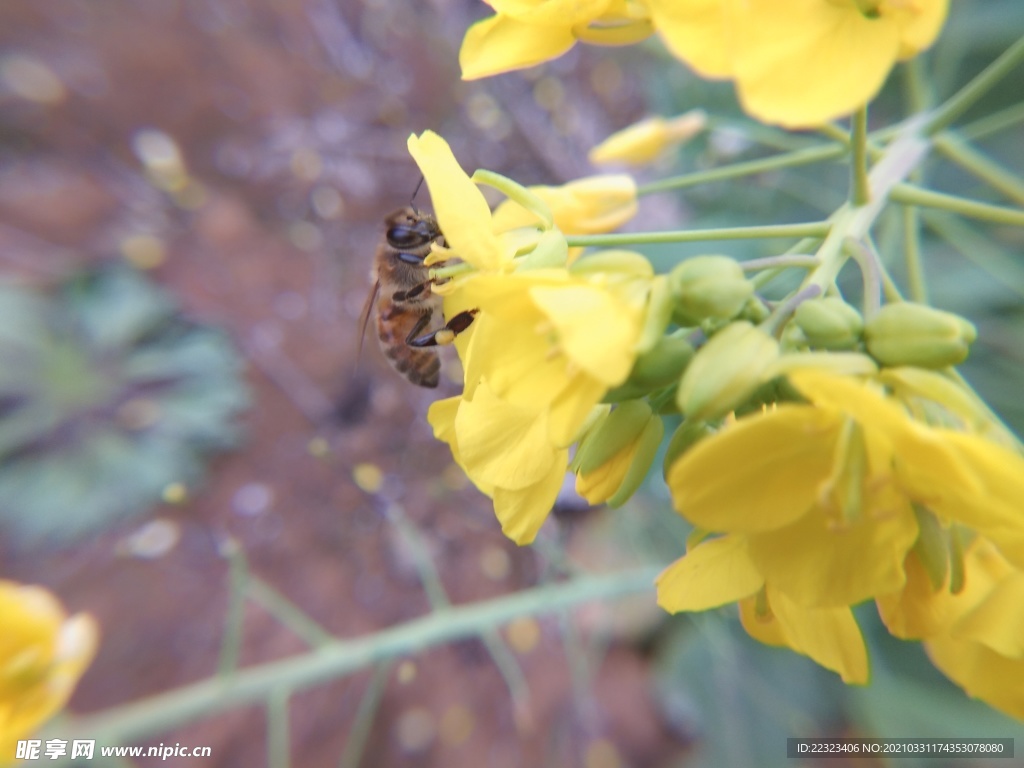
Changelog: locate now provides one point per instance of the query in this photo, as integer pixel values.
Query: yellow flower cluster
(825, 460)
(42, 655)
(549, 339)
(797, 63)
(811, 507)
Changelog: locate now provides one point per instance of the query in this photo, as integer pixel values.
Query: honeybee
(404, 302)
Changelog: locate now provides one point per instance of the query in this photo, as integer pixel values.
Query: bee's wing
(364, 318)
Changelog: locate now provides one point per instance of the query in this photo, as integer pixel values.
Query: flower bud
(709, 287)
(657, 314)
(726, 371)
(915, 334)
(618, 261)
(615, 479)
(689, 434)
(829, 323)
(590, 205)
(662, 365)
(610, 434)
(644, 141)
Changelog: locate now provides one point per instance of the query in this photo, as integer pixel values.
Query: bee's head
(409, 229)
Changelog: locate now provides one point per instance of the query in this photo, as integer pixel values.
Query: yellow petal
(594, 330)
(501, 44)
(552, 12)
(997, 621)
(993, 508)
(830, 636)
(441, 416)
(818, 564)
(801, 63)
(714, 573)
(501, 444)
(695, 31)
(981, 672)
(920, 23)
(589, 205)
(571, 408)
(460, 207)
(645, 141)
(758, 474)
(522, 512)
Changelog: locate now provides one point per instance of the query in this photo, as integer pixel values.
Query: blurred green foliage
(107, 396)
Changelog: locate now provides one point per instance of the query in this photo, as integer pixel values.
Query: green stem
(870, 268)
(902, 156)
(963, 99)
(859, 191)
(979, 250)
(762, 279)
(981, 166)
(355, 744)
(238, 576)
(503, 658)
(278, 730)
(917, 86)
(166, 711)
(912, 255)
(908, 194)
(748, 168)
(810, 229)
(780, 262)
(286, 612)
(997, 121)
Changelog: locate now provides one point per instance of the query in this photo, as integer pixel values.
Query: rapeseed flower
(801, 63)
(796, 63)
(523, 33)
(43, 653)
(821, 503)
(972, 622)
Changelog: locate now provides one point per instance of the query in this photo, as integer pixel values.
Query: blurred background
(190, 196)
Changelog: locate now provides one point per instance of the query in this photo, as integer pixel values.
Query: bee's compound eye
(410, 258)
(411, 235)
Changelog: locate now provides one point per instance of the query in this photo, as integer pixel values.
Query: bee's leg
(445, 335)
(421, 322)
(414, 294)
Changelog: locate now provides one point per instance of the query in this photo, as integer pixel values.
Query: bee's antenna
(412, 203)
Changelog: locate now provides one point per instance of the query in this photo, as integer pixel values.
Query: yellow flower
(974, 630)
(720, 571)
(42, 655)
(505, 451)
(461, 210)
(801, 63)
(553, 339)
(615, 455)
(823, 494)
(647, 140)
(527, 32)
(590, 205)
(829, 636)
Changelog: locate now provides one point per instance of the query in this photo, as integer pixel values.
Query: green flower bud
(829, 323)
(617, 429)
(613, 260)
(657, 314)
(663, 365)
(915, 334)
(617, 456)
(726, 371)
(844, 363)
(709, 287)
(643, 451)
(684, 438)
